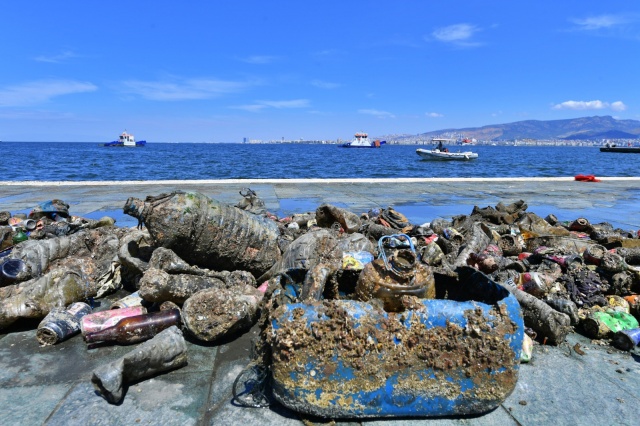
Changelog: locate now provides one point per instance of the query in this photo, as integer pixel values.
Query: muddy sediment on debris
(166, 351)
(214, 313)
(208, 233)
(170, 279)
(36, 298)
(376, 281)
(158, 286)
(375, 348)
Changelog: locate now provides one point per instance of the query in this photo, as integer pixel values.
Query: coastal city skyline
(194, 72)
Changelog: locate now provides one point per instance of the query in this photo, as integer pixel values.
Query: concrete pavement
(616, 200)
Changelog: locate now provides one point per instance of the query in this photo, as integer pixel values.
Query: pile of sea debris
(360, 315)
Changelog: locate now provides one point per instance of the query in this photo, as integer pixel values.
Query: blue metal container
(347, 359)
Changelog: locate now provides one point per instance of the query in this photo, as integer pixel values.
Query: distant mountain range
(585, 128)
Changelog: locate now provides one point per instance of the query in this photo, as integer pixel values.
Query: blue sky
(170, 71)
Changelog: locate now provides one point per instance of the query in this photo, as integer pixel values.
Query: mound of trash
(361, 315)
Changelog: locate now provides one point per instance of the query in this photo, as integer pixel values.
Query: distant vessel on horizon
(126, 140)
(467, 141)
(361, 140)
(612, 147)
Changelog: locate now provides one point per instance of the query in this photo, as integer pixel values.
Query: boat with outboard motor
(440, 152)
(436, 154)
(127, 140)
(361, 140)
(612, 147)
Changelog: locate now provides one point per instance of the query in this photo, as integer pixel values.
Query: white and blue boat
(126, 140)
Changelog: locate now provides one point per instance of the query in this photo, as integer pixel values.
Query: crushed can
(536, 283)
(355, 260)
(432, 254)
(129, 301)
(348, 359)
(452, 234)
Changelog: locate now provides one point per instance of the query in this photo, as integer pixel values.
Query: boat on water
(467, 141)
(127, 140)
(361, 140)
(614, 148)
(441, 153)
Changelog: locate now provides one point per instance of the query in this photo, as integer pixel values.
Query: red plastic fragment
(587, 178)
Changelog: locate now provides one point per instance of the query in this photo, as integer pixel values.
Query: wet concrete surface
(578, 382)
(616, 200)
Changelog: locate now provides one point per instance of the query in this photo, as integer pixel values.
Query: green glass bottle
(19, 236)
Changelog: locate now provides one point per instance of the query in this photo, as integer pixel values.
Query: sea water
(79, 161)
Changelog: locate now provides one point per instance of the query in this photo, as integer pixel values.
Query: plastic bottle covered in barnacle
(177, 221)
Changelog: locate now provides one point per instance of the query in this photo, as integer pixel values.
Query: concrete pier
(616, 200)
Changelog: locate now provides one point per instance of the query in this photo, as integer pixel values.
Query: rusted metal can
(347, 359)
(432, 254)
(594, 254)
(511, 245)
(59, 325)
(452, 234)
(100, 320)
(129, 301)
(580, 224)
